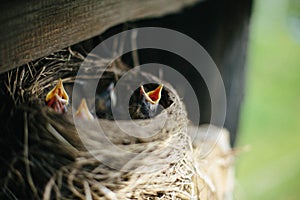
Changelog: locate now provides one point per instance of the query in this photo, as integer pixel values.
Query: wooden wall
(32, 29)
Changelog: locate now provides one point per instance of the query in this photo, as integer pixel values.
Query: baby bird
(83, 111)
(104, 101)
(147, 104)
(58, 98)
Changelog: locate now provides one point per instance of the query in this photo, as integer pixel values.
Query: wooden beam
(33, 29)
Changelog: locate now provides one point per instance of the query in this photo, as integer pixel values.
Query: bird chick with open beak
(58, 98)
(83, 111)
(104, 101)
(148, 103)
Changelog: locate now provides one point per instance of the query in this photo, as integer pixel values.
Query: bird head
(153, 96)
(58, 98)
(105, 100)
(149, 102)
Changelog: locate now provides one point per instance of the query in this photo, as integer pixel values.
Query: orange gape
(153, 96)
(58, 98)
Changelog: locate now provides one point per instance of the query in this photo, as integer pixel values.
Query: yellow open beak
(153, 96)
(58, 98)
(83, 111)
(60, 91)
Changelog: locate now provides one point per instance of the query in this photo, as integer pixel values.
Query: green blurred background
(270, 121)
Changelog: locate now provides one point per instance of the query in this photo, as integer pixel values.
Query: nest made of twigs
(44, 157)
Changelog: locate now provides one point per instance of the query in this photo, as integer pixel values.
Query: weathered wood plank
(32, 29)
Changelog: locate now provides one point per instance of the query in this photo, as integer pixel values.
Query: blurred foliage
(294, 7)
(270, 121)
(294, 18)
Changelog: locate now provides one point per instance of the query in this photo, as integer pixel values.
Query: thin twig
(135, 56)
(87, 191)
(26, 158)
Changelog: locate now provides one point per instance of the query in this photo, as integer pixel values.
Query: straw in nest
(43, 157)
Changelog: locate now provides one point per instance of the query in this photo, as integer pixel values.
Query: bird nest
(47, 155)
